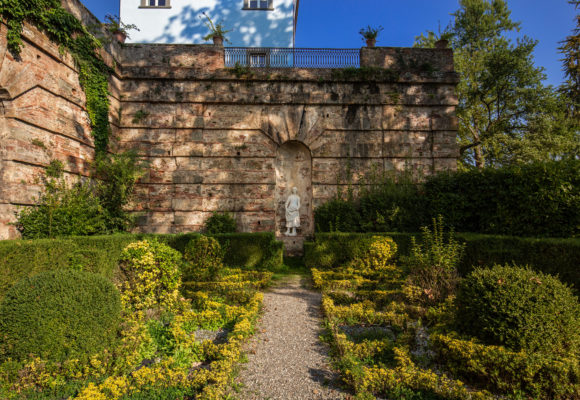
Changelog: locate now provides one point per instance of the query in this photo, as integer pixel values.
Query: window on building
(258, 5)
(155, 3)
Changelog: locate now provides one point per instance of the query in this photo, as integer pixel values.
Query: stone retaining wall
(214, 136)
(42, 118)
(221, 139)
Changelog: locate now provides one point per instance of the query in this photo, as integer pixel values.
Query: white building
(253, 23)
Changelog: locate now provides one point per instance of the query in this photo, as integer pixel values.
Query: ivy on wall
(68, 32)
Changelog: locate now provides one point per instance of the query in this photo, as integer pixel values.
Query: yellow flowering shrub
(151, 277)
(91, 392)
(378, 250)
(333, 280)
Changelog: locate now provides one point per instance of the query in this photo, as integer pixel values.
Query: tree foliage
(571, 63)
(117, 176)
(506, 114)
(86, 207)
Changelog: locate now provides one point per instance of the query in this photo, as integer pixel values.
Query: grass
(292, 266)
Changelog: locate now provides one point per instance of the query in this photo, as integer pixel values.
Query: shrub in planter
(59, 315)
(519, 308)
(150, 276)
(220, 223)
(204, 257)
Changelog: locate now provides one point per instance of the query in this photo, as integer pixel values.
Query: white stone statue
(292, 213)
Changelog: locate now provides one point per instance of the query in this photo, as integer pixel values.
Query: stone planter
(218, 41)
(441, 44)
(120, 36)
(371, 42)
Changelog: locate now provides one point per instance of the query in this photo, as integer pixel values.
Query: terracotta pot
(371, 42)
(441, 44)
(218, 41)
(120, 36)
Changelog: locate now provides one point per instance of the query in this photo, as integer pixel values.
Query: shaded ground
(286, 359)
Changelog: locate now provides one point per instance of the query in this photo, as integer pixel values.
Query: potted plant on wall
(118, 29)
(370, 34)
(443, 41)
(217, 32)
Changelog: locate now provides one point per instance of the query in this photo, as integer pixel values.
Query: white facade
(253, 23)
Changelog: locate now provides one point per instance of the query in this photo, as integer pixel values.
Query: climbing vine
(69, 33)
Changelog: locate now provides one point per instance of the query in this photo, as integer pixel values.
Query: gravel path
(286, 359)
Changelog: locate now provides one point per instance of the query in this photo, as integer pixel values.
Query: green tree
(117, 176)
(63, 209)
(89, 206)
(571, 50)
(506, 114)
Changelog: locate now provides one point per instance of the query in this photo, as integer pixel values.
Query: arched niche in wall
(294, 169)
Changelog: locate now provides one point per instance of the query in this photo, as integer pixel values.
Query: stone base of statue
(290, 232)
(293, 245)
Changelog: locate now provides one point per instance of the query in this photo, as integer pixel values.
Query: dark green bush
(390, 203)
(519, 308)
(89, 207)
(220, 223)
(337, 215)
(260, 251)
(203, 256)
(538, 199)
(117, 176)
(58, 315)
(63, 210)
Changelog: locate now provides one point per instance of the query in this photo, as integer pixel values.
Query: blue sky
(335, 23)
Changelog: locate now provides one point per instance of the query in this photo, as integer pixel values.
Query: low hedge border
(550, 255)
(501, 370)
(100, 254)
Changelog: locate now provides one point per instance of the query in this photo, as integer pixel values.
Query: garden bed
(185, 344)
(390, 339)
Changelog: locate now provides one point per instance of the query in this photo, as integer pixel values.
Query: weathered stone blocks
(213, 140)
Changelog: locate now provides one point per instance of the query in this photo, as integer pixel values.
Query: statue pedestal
(293, 245)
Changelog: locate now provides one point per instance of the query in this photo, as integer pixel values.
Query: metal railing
(272, 57)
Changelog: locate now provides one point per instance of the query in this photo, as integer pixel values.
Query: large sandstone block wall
(217, 139)
(220, 139)
(42, 117)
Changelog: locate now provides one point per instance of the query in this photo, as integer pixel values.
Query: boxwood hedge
(100, 254)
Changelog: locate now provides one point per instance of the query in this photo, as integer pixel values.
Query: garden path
(286, 359)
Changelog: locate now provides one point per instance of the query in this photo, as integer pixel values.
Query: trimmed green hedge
(331, 250)
(554, 256)
(550, 255)
(536, 199)
(100, 254)
(519, 308)
(259, 251)
(59, 315)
